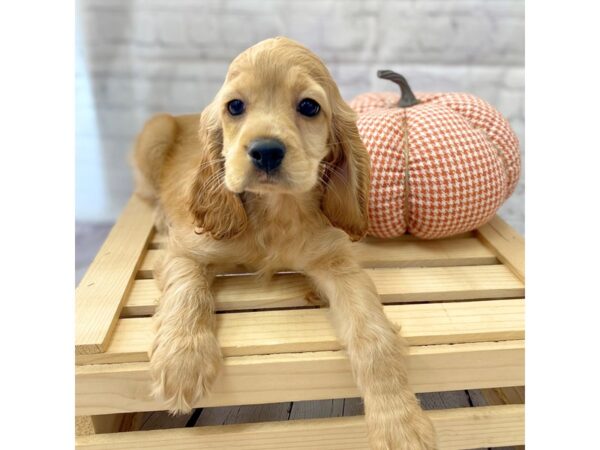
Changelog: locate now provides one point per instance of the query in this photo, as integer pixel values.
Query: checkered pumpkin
(441, 163)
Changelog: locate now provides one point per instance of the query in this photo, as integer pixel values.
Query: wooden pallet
(459, 301)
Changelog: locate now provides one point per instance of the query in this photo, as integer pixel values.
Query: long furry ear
(216, 210)
(347, 174)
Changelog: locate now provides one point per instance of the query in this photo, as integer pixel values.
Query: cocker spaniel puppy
(272, 175)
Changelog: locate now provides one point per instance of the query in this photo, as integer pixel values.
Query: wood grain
(393, 253)
(506, 242)
(159, 240)
(114, 388)
(103, 289)
(459, 428)
(84, 425)
(393, 285)
(289, 331)
(511, 395)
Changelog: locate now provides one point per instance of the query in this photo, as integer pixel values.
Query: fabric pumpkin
(442, 163)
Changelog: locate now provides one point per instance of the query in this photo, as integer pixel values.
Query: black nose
(266, 154)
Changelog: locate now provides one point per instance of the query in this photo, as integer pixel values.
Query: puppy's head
(279, 124)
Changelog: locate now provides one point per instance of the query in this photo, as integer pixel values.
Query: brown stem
(407, 97)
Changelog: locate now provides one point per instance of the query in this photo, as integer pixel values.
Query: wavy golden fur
(220, 210)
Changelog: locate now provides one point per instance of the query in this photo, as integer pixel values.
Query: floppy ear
(348, 175)
(216, 210)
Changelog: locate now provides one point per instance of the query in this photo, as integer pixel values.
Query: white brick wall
(136, 58)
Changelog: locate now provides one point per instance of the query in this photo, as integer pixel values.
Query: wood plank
(506, 243)
(456, 429)
(103, 289)
(393, 253)
(289, 331)
(159, 240)
(83, 425)
(394, 285)
(374, 253)
(511, 395)
(445, 283)
(244, 380)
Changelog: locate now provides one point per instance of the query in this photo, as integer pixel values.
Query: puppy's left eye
(308, 107)
(236, 107)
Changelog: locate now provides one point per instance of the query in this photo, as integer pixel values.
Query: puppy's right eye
(236, 107)
(308, 107)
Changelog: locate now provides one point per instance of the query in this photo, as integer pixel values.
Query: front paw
(400, 427)
(183, 369)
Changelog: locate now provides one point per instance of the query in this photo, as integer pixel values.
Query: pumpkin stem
(407, 97)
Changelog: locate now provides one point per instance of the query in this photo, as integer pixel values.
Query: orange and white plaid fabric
(441, 167)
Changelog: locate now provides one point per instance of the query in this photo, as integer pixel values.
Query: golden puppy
(272, 175)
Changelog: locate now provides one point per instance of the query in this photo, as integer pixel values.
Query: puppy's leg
(394, 418)
(185, 355)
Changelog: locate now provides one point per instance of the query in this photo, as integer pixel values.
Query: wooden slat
(506, 243)
(394, 253)
(512, 395)
(459, 428)
(159, 240)
(103, 289)
(394, 285)
(417, 253)
(290, 331)
(113, 388)
(84, 425)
